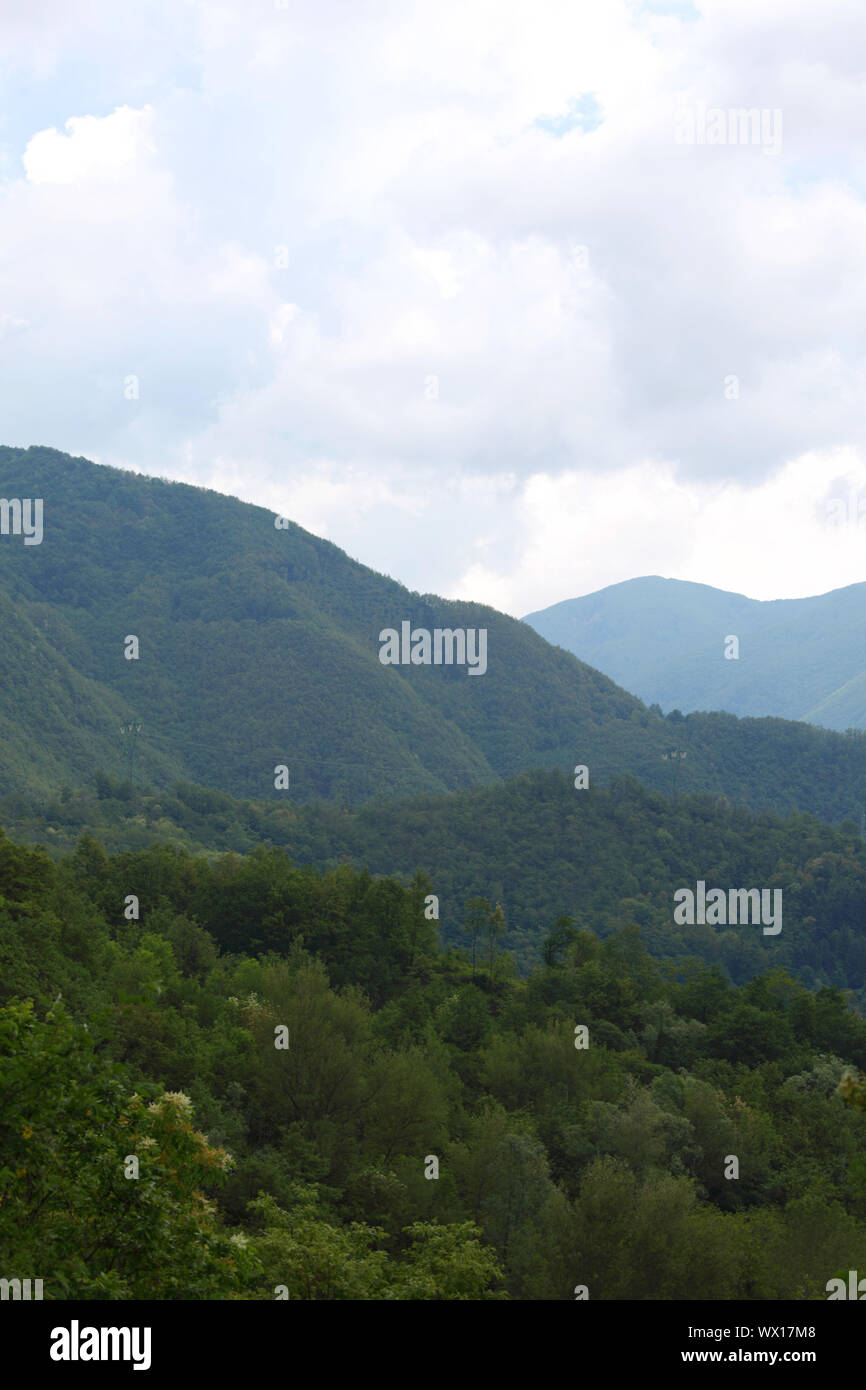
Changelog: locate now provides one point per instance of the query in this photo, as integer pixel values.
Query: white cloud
(94, 147)
(800, 532)
(579, 430)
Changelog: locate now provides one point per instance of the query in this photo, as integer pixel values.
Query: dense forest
(277, 1082)
(604, 856)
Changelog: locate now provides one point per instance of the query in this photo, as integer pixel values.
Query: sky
(501, 296)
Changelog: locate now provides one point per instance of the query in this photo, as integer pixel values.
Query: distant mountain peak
(665, 640)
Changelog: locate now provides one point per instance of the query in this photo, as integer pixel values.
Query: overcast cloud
(447, 283)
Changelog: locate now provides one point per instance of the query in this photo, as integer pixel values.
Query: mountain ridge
(259, 648)
(664, 640)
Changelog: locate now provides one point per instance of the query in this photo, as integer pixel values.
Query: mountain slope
(260, 646)
(664, 639)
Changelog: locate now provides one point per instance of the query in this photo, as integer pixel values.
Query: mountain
(665, 640)
(259, 647)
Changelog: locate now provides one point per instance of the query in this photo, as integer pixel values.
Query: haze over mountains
(664, 640)
(260, 646)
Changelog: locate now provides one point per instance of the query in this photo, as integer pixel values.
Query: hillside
(260, 646)
(604, 857)
(664, 639)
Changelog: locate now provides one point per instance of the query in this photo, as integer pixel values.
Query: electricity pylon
(133, 730)
(675, 755)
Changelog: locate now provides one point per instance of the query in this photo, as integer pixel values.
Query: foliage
(309, 1168)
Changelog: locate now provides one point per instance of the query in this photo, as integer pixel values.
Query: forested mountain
(259, 647)
(665, 640)
(358, 1114)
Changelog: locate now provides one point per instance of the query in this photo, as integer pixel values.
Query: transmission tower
(132, 732)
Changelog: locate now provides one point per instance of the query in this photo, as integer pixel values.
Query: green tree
(70, 1123)
(304, 1255)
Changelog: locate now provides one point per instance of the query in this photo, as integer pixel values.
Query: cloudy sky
(495, 294)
